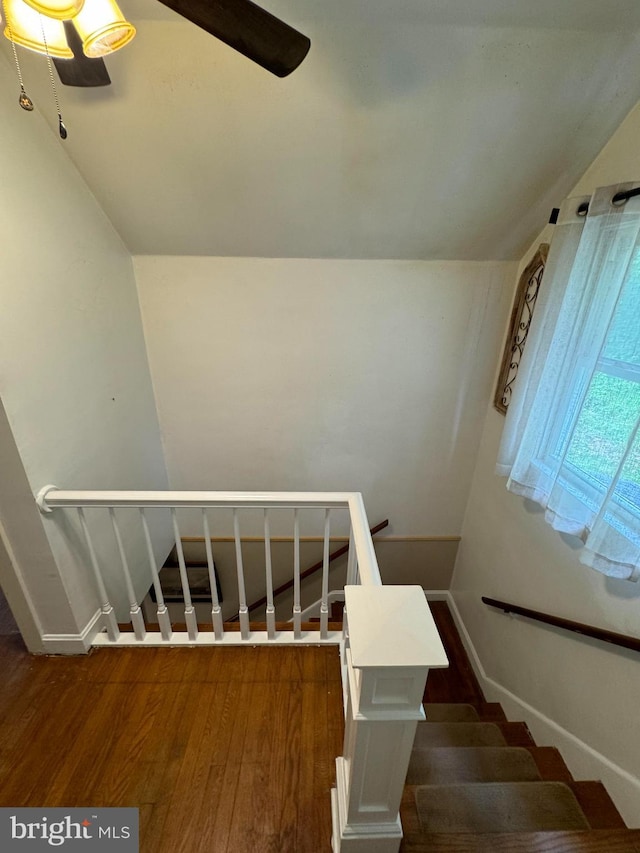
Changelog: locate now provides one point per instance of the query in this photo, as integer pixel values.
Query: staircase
(477, 782)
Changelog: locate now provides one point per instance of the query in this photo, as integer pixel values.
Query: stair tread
(451, 765)
(450, 712)
(490, 807)
(458, 684)
(430, 735)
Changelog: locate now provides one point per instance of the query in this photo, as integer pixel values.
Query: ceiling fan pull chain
(62, 130)
(23, 99)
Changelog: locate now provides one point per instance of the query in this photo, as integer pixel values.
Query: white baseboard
(437, 594)
(582, 760)
(72, 644)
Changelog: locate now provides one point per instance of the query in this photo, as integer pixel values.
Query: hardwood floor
(224, 750)
(230, 750)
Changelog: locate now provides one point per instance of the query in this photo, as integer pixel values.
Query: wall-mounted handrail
(623, 640)
(310, 571)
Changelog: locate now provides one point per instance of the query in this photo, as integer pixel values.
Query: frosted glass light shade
(25, 25)
(102, 28)
(61, 10)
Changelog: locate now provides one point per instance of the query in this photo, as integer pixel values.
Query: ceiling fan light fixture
(25, 27)
(61, 10)
(102, 28)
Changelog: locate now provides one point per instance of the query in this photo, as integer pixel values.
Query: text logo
(106, 830)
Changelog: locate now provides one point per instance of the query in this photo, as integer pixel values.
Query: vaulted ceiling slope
(414, 129)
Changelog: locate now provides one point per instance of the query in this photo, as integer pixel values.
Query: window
(571, 439)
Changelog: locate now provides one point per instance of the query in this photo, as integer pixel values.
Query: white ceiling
(414, 129)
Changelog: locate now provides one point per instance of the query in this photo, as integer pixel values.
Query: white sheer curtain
(572, 434)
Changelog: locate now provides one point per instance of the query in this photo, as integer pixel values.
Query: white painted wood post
(135, 611)
(392, 644)
(245, 627)
(297, 610)
(189, 610)
(352, 561)
(216, 610)
(163, 614)
(108, 614)
(271, 611)
(324, 606)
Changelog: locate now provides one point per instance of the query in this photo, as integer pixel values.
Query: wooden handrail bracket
(622, 640)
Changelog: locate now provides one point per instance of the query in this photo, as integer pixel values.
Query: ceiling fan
(241, 24)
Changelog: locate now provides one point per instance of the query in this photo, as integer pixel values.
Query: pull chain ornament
(23, 99)
(62, 130)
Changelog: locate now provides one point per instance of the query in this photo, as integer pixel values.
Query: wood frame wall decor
(521, 314)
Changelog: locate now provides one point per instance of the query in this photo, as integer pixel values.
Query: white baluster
(137, 620)
(242, 596)
(216, 610)
(271, 611)
(108, 614)
(189, 612)
(163, 614)
(324, 608)
(297, 627)
(352, 561)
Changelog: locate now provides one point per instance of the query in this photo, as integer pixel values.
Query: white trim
(437, 594)
(73, 644)
(359, 838)
(581, 758)
(230, 638)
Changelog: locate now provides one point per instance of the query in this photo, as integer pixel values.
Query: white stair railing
(388, 642)
(117, 504)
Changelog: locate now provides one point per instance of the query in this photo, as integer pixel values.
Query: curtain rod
(583, 209)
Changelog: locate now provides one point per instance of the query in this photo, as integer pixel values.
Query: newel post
(392, 643)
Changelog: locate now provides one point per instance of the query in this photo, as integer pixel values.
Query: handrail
(623, 640)
(50, 497)
(310, 571)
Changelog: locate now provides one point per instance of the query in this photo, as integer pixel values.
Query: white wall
(370, 376)
(74, 378)
(578, 691)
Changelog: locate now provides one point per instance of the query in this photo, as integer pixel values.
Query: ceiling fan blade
(249, 29)
(80, 71)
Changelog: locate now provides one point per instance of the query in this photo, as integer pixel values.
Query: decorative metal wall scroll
(523, 307)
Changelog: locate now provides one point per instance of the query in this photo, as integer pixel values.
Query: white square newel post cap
(392, 626)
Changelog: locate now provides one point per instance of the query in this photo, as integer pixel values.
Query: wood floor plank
(190, 787)
(314, 785)
(285, 766)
